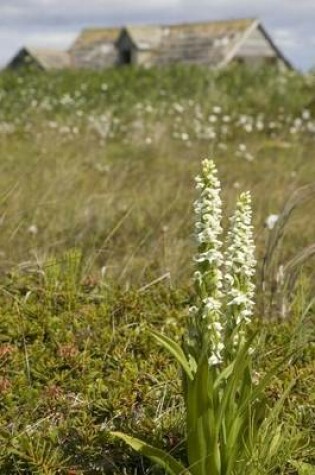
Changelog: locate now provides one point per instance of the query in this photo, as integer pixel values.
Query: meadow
(96, 245)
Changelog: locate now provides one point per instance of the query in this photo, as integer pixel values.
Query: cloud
(287, 38)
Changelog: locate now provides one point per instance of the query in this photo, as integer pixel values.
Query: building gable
(256, 47)
(41, 59)
(95, 48)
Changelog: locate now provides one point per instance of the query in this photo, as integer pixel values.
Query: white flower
(306, 115)
(260, 125)
(214, 360)
(32, 229)
(211, 304)
(248, 128)
(271, 220)
(217, 109)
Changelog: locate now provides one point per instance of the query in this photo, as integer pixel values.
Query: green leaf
(225, 374)
(175, 350)
(303, 468)
(162, 458)
(202, 432)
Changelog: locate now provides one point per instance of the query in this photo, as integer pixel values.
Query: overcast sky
(55, 23)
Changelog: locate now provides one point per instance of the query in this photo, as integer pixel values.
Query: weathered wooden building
(213, 44)
(40, 59)
(95, 48)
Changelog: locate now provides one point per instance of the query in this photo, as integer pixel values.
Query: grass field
(97, 185)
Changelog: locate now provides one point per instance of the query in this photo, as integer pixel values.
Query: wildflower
(32, 229)
(249, 157)
(212, 118)
(178, 108)
(217, 109)
(226, 118)
(208, 276)
(271, 221)
(248, 127)
(239, 270)
(306, 115)
(260, 125)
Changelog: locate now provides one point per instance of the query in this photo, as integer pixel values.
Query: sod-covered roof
(49, 58)
(90, 36)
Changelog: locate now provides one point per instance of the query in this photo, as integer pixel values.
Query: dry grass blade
(269, 278)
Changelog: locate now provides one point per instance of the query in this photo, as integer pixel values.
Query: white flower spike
(240, 269)
(208, 275)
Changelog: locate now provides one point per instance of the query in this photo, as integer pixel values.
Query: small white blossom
(217, 109)
(32, 229)
(271, 221)
(306, 115)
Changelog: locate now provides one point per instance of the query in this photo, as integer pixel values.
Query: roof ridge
(169, 25)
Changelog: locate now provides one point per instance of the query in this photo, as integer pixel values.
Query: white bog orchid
(239, 268)
(208, 275)
(223, 281)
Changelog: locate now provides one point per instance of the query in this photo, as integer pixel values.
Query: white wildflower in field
(217, 109)
(178, 108)
(66, 100)
(248, 128)
(239, 269)
(306, 115)
(271, 221)
(249, 157)
(226, 119)
(208, 276)
(32, 229)
(297, 122)
(212, 118)
(260, 125)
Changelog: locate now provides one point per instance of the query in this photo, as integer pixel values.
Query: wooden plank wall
(256, 45)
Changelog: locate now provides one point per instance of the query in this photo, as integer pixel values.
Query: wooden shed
(95, 48)
(213, 44)
(40, 59)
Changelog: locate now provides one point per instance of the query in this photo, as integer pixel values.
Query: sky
(56, 23)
